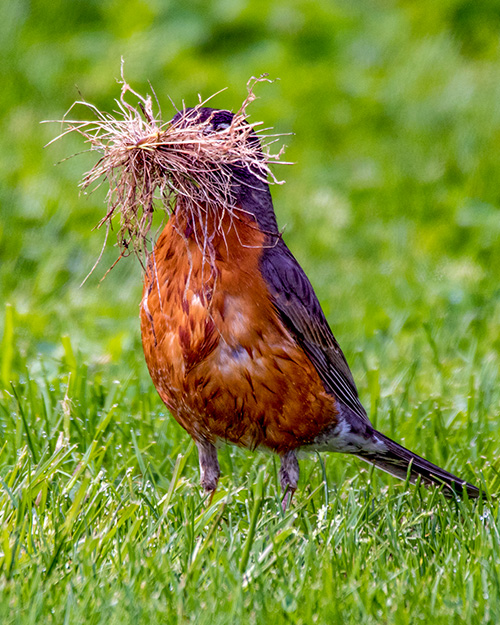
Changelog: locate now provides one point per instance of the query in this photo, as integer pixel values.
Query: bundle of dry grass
(149, 163)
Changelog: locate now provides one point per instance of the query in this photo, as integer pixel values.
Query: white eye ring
(221, 126)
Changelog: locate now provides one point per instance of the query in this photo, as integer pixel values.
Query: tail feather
(396, 459)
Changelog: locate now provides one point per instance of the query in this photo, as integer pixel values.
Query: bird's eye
(220, 126)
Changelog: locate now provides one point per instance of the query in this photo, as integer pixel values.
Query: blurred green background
(392, 205)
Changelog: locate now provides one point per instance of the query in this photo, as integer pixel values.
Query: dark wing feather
(300, 311)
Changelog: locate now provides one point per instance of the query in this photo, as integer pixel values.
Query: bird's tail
(396, 460)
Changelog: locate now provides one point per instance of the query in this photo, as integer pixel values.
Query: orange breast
(218, 354)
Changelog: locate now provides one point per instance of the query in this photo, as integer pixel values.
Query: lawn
(392, 206)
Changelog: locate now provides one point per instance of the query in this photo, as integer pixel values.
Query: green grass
(393, 209)
(103, 520)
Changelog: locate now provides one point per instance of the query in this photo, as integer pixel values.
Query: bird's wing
(300, 311)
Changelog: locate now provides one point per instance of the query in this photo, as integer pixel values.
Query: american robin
(239, 348)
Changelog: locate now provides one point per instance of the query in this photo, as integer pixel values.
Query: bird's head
(204, 161)
(212, 120)
(236, 139)
(228, 161)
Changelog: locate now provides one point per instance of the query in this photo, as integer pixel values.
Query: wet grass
(103, 520)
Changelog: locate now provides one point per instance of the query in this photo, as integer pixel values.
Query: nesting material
(150, 164)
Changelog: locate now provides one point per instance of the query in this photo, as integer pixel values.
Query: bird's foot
(209, 467)
(289, 477)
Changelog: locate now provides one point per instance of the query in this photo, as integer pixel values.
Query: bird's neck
(253, 204)
(254, 198)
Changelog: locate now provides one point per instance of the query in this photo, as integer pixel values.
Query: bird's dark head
(246, 168)
(214, 120)
(218, 122)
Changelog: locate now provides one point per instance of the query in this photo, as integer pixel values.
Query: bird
(239, 348)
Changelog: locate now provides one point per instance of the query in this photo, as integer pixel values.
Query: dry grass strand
(151, 164)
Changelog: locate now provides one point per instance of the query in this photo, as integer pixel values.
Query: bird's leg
(209, 466)
(289, 477)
